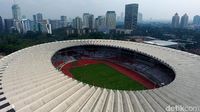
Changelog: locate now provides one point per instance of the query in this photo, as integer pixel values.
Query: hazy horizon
(151, 9)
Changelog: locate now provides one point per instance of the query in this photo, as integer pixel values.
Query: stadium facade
(30, 82)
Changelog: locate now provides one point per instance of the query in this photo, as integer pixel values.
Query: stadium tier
(32, 79)
(147, 67)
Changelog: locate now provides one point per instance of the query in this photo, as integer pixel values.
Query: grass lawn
(102, 75)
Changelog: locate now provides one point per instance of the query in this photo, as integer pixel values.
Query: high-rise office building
(140, 18)
(45, 27)
(39, 17)
(111, 20)
(196, 20)
(35, 23)
(77, 23)
(26, 25)
(175, 21)
(35, 18)
(49, 29)
(96, 23)
(88, 21)
(131, 13)
(32, 25)
(55, 24)
(9, 24)
(63, 21)
(16, 12)
(1, 24)
(91, 21)
(100, 23)
(18, 25)
(17, 17)
(184, 21)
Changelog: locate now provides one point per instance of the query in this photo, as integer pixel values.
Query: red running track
(130, 73)
(65, 69)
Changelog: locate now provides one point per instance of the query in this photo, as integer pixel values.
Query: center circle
(112, 67)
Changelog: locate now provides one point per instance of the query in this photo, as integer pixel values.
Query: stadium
(150, 72)
(98, 76)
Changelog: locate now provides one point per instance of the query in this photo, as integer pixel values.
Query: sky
(151, 9)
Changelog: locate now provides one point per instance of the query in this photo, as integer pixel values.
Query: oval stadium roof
(29, 82)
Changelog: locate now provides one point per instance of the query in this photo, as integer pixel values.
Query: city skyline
(100, 7)
(88, 21)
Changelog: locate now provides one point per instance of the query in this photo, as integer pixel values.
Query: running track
(131, 74)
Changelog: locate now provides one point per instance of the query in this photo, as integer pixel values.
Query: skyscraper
(184, 21)
(16, 12)
(45, 26)
(39, 17)
(63, 21)
(35, 18)
(77, 23)
(100, 23)
(9, 24)
(131, 13)
(49, 29)
(35, 24)
(175, 21)
(111, 20)
(96, 23)
(55, 24)
(1, 24)
(196, 20)
(17, 17)
(26, 25)
(88, 21)
(91, 21)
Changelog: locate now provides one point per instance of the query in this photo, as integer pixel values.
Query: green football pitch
(102, 75)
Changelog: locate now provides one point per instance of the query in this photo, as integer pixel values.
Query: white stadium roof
(30, 83)
(161, 43)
